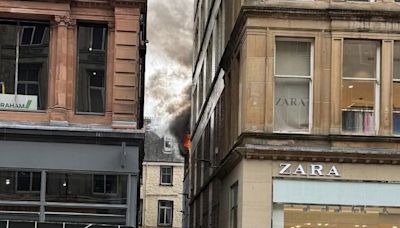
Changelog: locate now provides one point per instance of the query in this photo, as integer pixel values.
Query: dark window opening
(92, 43)
(105, 184)
(28, 181)
(24, 49)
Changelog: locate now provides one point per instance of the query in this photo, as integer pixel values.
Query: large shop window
(360, 86)
(86, 188)
(396, 89)
(24, 50)
(91, 83)
(310, 216)
(165, 208)
(293, 74)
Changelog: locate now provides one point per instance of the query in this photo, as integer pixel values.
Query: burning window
(91, 82)
(24, 65)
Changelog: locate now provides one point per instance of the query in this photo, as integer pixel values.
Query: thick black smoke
(180, 126)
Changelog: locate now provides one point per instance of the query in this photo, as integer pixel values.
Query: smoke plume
(169, 64)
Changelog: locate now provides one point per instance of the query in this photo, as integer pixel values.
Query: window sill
(292, 132)
(90, 113)
(166, 185)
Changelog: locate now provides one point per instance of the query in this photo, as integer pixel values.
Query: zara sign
(308, 170)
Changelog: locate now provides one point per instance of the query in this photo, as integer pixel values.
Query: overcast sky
(169, 58)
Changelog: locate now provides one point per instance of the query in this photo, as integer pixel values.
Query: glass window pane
(23, 181)
(396, 107)
(359, 58)
(33, 66)
(36, 177)
(98, 181)
(340, 216)
(293, 58)
(90, 91)
(358, 99)
(396, 61)
(111, 184)
(84, 188)
(291, 112)
(8, 41)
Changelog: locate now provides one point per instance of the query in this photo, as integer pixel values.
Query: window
(92, 50)
(105, 184)
(140, 217)
(28, 181)
(167, 145)
(32, 35)
(234, 206)
(24, 65)
(293, 74)
(165, 212)
(360, 86)
(396, 88)
(166, 175)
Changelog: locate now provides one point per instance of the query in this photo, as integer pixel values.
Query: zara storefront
(312, 195)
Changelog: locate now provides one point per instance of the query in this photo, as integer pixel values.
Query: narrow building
(71, 111)
(295, 114)
(162, 183)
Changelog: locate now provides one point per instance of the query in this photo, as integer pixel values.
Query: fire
(187, 142)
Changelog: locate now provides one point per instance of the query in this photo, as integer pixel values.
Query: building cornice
(319, 11)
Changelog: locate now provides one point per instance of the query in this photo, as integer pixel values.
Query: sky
(168, 59)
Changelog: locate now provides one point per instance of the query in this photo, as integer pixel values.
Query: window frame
(106, 40)
(168, 149)
(30, 182)
(171, 208)
(233, 206)
(377, 83)
(105, 183)
(161, 175)
(20, 25)
(394, 80)
(310, 40)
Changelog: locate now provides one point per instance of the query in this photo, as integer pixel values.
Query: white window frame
(376, 88)
(165, 210)
(162, 174)
(311, 77)
(168, 149)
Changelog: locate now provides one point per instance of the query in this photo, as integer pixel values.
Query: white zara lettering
(312, 170)
(285, 169)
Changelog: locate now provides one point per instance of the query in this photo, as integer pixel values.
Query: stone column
(386, 88)
(336, 82)
(58, 113)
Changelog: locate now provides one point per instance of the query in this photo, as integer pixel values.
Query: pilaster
(58, 108)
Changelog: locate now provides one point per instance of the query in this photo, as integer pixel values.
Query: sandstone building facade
(295, 114)
(71, 106)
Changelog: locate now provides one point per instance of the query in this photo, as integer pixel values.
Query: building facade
(295, 114)
(71, 114)
(162, 183)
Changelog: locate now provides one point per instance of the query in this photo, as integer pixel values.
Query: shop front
(323, 195)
